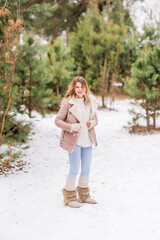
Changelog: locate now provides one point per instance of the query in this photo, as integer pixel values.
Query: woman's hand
(91, 123)
(88, 124)
(76, 127)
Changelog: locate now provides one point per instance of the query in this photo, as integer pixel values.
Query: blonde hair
(71, 90)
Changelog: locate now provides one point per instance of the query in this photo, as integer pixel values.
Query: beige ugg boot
(70, 198)
(84, 191)
(70, 194)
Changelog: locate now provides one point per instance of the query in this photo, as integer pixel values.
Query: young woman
(77, 119)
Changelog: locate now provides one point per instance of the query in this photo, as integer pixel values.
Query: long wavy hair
(71, 90)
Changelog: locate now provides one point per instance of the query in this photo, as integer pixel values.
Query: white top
(84, 139)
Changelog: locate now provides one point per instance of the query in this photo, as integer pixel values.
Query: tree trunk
(23, 85)
(103, 103)
(30, 92)
(103, 77)
(154, 118)
(103, 92)
(57, 89)
(12, 70)
(147, 116)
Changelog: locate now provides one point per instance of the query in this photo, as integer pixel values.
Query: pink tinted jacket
(69, 114)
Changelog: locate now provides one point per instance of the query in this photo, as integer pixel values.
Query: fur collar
(75, 111)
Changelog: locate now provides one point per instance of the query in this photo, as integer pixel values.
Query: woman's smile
(79, 90)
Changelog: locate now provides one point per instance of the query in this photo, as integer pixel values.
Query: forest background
(45, 43)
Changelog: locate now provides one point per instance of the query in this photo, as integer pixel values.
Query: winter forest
(115, 46)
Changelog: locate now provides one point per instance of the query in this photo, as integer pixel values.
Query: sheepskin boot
(70, 194)
(84, 191)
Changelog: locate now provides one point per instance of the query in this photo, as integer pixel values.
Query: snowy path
(125, 181)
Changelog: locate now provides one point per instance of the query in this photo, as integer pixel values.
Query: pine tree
(144, 83)
(32, 77)
(59, 70)
(96, 46)
(10, 30)
(26, 77)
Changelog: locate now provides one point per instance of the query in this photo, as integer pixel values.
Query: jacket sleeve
(61, 116)
(94, 121)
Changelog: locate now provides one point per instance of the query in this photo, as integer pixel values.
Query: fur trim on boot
(84, 196)
(70, 198)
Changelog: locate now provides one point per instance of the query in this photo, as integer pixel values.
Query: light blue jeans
(83, 155)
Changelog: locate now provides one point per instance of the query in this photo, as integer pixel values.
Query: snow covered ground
(125, 181)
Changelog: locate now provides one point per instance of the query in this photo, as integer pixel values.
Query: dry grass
(138, 129)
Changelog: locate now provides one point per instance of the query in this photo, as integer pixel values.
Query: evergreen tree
(96, 46)
(47, 17)
(59, 70)
(10, 30)
(144, 83)
(33, 78)
(29, 74)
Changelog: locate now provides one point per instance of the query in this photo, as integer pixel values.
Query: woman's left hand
(88, 124)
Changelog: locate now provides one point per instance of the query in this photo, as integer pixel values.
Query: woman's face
(79, 90)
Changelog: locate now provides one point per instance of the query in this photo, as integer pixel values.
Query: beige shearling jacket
(68, 115)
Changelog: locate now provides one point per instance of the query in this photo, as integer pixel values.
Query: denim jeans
(83, 155)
